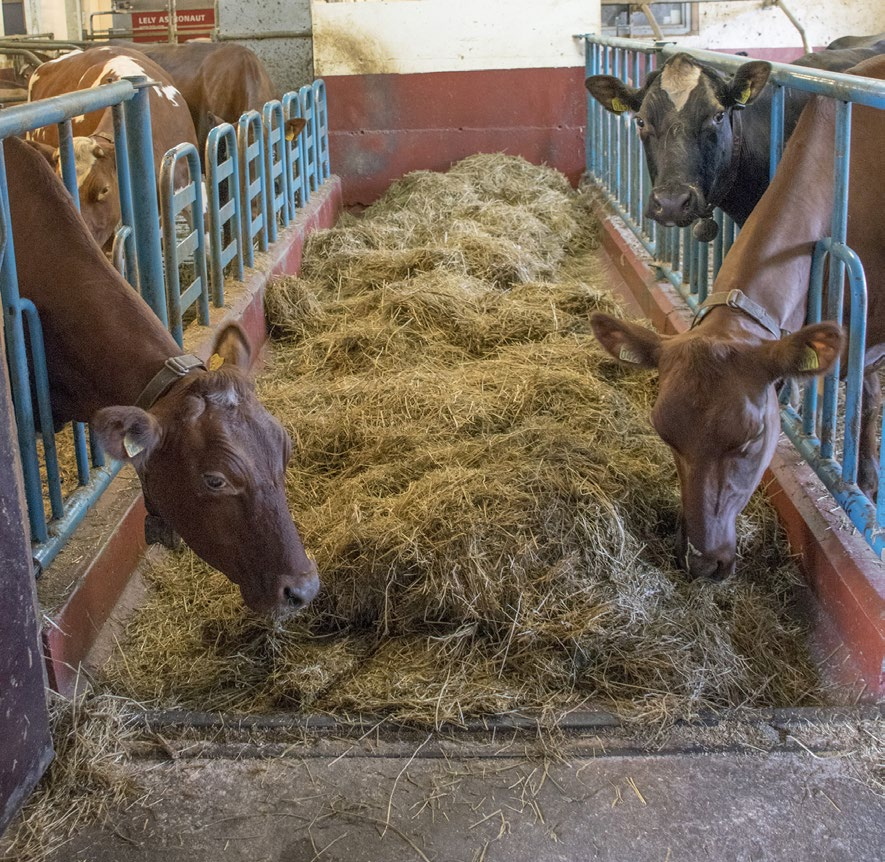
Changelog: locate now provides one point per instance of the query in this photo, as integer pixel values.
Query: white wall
(750, 24)
(371, 36)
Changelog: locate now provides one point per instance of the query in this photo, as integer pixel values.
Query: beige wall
(750, 24)
(369, 36)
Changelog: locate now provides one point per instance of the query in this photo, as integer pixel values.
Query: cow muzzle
(678, 206)
(710, 565)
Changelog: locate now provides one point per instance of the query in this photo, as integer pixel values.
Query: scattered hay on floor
(491, 512)
(86, 781)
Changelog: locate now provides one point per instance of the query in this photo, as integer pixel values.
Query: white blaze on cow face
(678, 80)
(84, 158)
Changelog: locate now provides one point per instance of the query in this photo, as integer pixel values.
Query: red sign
(190, 24)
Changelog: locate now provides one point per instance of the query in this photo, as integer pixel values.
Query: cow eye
(640, 123)
(214, 481)
(718, 118)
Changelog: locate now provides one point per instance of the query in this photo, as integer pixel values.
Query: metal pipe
(25, 118)
(143, 183)
(653, 22)
(795, 22)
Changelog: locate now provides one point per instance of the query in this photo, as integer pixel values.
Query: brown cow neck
(771, 258)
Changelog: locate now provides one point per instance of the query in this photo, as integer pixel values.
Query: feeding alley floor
(754, 790)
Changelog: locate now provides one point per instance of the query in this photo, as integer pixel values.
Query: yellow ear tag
(618, 106)
(215, 362)
(809, 361)
(628, 355)
(745, 95)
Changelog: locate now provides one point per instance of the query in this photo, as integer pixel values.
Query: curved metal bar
(253, 183)
(276, 194)
(223, 173)
(296, 173)
(187, 200)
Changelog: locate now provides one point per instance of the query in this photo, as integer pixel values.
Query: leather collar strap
(173, 369)
(737, 127)
(739, 300)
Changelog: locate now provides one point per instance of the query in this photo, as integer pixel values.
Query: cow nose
(711, 568)
(671, 207)
(300, 591)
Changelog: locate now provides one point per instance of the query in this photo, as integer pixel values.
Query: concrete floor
(757, 789)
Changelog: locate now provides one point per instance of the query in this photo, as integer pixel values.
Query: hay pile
(489, 507)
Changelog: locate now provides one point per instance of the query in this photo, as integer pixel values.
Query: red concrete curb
(843, 572)
(71, 632)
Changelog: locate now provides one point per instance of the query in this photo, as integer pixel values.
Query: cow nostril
(295, 599)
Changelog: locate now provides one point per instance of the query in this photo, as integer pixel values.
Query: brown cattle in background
(94, 148)
(219, 81)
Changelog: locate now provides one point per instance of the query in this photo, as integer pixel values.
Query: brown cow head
(96, 161)
(717, 410)
(212, 462)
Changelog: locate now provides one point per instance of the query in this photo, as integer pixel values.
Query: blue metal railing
(137, 254)
(253, 183)
(321, 131)
(225, 228)
(25, 355)
(186, 201)
(308, 138)
(275, 170)
(296, 156)
(616, 166)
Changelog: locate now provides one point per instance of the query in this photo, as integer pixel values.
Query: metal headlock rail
(233, 195)
(186, 201)
(617, 167)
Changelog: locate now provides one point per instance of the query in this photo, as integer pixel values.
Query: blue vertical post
(143, 184)
(121, 146)
(18, 367)
(838, 232)
(67, 160)
(776, 147)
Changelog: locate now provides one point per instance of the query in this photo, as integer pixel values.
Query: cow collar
(737, 138)
(174, 368)
(739, 300)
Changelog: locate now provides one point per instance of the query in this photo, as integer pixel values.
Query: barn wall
(422, 83)
(288, 57)
(748, 24)
(419, 83)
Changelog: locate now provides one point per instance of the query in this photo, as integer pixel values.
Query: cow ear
(294, 127)
(232, 347)
(628, 342)
(127, 433)
(48, 152)
(810, 352)
(748, 83)
(613, 94)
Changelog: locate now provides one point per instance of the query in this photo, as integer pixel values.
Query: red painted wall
(383, 126)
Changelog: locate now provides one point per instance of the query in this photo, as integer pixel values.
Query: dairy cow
(716, 406)
(706, 136)
(211, 459)
(94, 148)
(220, 81)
